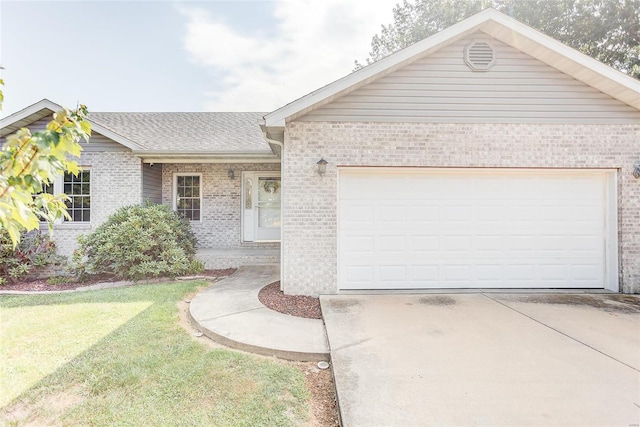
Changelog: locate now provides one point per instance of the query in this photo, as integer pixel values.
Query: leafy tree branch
(31, 161)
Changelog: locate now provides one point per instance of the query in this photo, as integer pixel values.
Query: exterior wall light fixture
(322, 167)
(636, 170)
(231, 174)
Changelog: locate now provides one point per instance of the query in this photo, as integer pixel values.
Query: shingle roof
(189, 132)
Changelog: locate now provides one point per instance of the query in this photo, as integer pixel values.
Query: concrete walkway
(485, 359)
(230, 313)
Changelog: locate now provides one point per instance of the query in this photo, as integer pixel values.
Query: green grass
(119, 357)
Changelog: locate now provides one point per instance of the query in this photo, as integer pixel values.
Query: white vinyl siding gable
(441, 88)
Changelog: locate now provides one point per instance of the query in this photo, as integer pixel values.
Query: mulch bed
(42, 285)
(294, 305)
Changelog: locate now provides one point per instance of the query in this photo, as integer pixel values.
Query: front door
(261, 206)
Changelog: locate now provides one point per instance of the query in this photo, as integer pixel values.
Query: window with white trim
(78, 190)
(188, 195)
(46, 189)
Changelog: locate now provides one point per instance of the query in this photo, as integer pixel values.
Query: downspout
(266, 137)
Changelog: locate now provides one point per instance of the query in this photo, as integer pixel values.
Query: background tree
(31, 161)
(607, 30)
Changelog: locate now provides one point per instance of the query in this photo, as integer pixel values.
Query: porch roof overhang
(149, 156)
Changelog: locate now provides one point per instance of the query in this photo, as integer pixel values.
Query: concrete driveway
(486, 359)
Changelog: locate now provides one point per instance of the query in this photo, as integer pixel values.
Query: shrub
(58, 280)
(138, 242)
(34, 250)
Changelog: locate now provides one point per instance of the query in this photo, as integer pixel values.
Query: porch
(216, 258)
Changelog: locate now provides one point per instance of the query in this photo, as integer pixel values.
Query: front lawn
(119, 357)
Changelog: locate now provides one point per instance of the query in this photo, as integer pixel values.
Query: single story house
(488, 155)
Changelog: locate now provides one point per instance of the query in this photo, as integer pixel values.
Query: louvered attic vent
(479, 55)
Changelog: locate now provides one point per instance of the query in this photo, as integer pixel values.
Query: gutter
(149, 156)
(271, 140)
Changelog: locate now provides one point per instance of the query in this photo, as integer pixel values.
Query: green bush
(138, 242)
(34, 250)
(58, 280)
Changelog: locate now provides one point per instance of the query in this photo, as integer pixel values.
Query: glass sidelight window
(261, 193)
(188, 196)
(269, 202)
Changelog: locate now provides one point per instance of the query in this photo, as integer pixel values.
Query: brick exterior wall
(116, 181)
(310, 201)
(221, 222)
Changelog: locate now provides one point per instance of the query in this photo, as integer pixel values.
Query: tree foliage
(607, 30)
(31, 161)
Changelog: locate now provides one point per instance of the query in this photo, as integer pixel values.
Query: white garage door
(401, 228)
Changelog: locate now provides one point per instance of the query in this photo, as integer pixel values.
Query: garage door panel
(424, 244)
(456, 273)
(392, 274)
(355, 244)
(587, 242)
(428, 274)
(520, 212)
(585, 272)
(490, 273)
(491, 213)
(515, 272)
(471, 228)
(393, 243)
(359, 274)
(423, 213)
(391, 214)
(458, 212)
(355, 214)
(488, 243)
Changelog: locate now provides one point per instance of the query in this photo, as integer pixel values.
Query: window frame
(175, 192)
(58, 187)
(70, 210)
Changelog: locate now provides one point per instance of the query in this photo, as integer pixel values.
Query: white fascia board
(565, 59)
(44, 104)
(104, 131)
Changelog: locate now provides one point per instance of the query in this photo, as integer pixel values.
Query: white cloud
(316, 42)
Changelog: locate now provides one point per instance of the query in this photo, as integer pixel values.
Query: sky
(180, 55)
